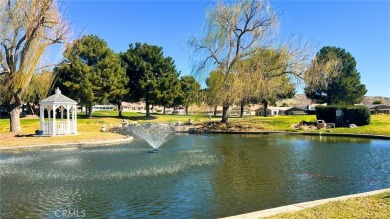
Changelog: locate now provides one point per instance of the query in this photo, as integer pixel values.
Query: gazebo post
(42, 117)
(48, 120)
(67, 119)
(75, 118)
(62, 119)
(54, 120)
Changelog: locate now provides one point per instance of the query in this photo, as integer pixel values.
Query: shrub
(358, 115)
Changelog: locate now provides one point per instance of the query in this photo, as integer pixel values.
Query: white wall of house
(179, 112)
(103, 108)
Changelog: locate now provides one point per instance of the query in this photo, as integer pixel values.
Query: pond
(193, 176)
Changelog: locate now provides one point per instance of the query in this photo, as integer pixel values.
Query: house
(311, 108)
(103, 108)
(295, 111)
(252, 109)
(134, 107)
(236, 111)
(379, 109)
(272, 111)
(179, 112)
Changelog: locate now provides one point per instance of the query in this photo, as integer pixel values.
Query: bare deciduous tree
(232, 33)
(27, 29)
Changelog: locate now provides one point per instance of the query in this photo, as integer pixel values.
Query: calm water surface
(194, 176)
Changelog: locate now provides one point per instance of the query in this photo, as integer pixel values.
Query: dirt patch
(11, 140)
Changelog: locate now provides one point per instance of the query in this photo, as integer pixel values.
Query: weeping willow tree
(269, 74)
(27, 29)
(265, 77)
(216, 94)
(233, 31)
(39, 88)
(239, 41)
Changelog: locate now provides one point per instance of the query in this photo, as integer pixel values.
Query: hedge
(358, 115)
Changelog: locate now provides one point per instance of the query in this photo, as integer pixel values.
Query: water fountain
(156, 134)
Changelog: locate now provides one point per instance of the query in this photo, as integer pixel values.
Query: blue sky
(360, 27)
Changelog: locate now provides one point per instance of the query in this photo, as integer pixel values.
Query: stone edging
(301, 206)
(80, 145)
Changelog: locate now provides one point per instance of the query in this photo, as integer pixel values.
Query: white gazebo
(60, 126)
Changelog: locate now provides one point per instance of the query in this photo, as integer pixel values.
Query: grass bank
(380, 125)
(375, 206)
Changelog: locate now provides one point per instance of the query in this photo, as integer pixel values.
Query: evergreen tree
(169, 89)
(189, 91)
(333, 78)
(151, 74)
(94, 75)
(214, 92)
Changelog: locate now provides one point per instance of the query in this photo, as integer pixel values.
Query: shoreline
(385, 137)
(302, 206)
(126, 139)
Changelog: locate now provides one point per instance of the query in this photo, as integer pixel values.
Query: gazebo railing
(61, 128)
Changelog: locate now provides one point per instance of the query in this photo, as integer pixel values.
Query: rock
(182, 128)
(303, 127)
(321, 124)
(179, 123)
(124, 123)
(192, 130)
(133, 123)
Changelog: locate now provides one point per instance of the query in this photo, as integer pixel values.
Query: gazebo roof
(58, 98)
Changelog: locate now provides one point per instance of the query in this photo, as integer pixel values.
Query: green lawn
(376, 206)
(380, 124)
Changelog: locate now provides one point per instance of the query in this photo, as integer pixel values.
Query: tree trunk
(225, 114)
(119, 103)
(14, 110)
(186, 110)
(15, 120)
(90, 110)
(164, 110)
(147, 107)
(265, 108)
(31, 109)
(242, 110)
(215, 111)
